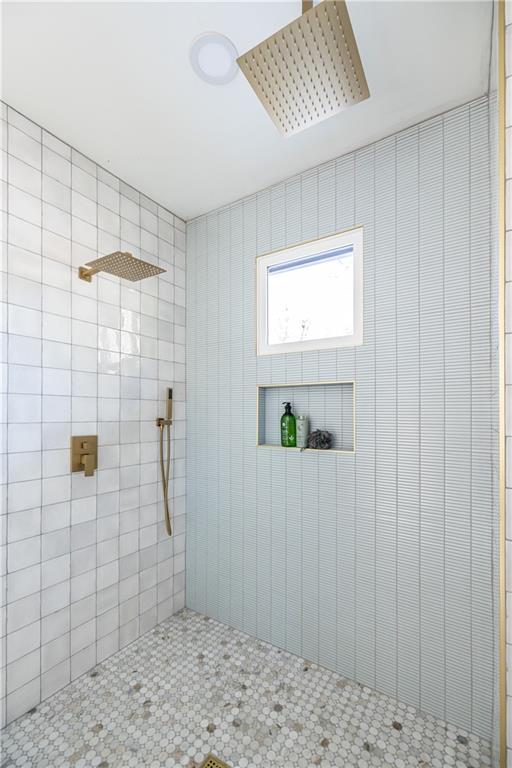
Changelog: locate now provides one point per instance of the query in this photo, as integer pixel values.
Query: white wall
(89, 566)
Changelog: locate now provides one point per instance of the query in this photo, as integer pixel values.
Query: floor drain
(211, 761)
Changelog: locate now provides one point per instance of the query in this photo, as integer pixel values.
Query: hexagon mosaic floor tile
(193, 686)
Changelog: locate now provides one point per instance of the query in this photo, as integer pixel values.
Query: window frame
(350, 237)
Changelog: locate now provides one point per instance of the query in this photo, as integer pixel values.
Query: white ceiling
(114, 80)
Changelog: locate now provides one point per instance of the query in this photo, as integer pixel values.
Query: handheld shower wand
(165, 465)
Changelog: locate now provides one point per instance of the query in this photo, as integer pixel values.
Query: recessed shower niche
(329, 405)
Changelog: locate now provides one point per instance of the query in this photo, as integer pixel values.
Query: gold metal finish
(307, 384)
(502, 381)
(84, 454)
(211, 761)
(121, 264)
(165, 465)
(309, 70)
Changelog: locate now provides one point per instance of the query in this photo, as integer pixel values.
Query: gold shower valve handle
(84, 454)
(87, 461)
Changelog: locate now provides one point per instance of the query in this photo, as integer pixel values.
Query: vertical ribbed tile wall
(378, 565)
(508, 354)
(89, 565)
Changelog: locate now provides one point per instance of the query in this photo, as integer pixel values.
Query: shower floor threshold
(193, 687)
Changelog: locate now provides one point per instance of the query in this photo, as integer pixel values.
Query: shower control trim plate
(84, 454)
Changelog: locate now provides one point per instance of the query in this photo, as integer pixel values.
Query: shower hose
(164, 470)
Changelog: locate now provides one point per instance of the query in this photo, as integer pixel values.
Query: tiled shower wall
(377, 564)
(89, 565)
(508, 352)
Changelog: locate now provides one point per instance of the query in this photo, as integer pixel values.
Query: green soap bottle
(288, 428)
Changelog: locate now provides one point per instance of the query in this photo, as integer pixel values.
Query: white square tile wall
(87, 563)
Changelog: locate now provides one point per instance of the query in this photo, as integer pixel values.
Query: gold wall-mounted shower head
(308, 70)
(121, 264)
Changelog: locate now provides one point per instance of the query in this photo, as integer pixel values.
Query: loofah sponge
(320, 438)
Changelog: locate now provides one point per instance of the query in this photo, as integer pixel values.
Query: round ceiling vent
(213, 57)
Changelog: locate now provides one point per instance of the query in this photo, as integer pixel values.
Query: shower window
(310, 296)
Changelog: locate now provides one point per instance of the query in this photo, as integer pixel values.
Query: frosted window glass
(311, 298)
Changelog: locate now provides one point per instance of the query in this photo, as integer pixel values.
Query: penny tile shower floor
(193, 686)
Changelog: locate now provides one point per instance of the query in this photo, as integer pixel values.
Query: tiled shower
(332, 608)
(89, 565)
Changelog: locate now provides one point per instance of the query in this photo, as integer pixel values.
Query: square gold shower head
(308, 70)
(121, 264)
(212, 761)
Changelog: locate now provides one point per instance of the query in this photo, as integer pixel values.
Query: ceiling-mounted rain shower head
(309, 70)
(121, 264)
